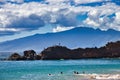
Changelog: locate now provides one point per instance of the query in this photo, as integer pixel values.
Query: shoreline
(5, 59)
(58, 52)
(100, 76)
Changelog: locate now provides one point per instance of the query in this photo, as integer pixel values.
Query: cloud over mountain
(27, 15)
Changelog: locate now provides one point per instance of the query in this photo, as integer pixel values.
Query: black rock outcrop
(15, 56)
(110, 50)
(56, 52)
(30, 55)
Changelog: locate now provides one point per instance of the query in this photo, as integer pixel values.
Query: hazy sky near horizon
(20, 18)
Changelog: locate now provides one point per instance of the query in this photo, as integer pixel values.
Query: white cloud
(59, 29)
(18, 16)
(59, 12)
(87, 1)
(9, 29)
(2, 0)
(101, 17)
(117, 18)
(15, 1)
(91, 22)
(116, 22)
(56, 1)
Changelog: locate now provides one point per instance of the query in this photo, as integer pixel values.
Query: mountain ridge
(76, 37)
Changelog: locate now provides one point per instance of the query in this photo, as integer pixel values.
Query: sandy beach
(101, 76)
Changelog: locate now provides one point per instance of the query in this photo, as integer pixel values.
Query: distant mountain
(74, 38)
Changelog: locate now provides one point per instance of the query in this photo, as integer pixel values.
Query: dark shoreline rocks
(110, 50)
(27, 55)
(15, 56)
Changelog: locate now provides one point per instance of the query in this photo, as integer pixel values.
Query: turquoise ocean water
(39, 70)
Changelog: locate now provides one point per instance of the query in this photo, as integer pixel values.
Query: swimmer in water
(77, 72)
(83, 72)
(49, 74)
(61, 72)
(74, 72)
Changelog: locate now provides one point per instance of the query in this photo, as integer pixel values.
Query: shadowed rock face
(55, 52)
(30, 55)
(15, 56)
(113, 49)
(110, 50)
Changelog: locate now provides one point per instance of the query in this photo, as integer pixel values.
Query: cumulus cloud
(8, 31)
(59, 28)
(28, 16)
(33, 15)
(13, 1)
(31, 22)
(56, 1)
(67, 19)
(17, 1)
(104, 19)
(86, 1)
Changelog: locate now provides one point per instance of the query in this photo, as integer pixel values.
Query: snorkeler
(49, 74)
(61, 72)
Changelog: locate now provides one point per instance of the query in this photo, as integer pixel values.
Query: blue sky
(20, 18)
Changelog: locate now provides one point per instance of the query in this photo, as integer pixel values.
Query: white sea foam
(102, 76)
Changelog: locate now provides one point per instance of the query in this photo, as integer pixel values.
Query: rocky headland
(57, 52)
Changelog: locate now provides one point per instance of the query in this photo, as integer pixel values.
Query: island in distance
(57, 52)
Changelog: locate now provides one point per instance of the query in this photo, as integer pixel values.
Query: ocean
(57, 69)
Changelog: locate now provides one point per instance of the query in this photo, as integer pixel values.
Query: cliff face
(56, 52)
(113, 49)
(28, 55)
(15, 56)
(110, 50)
